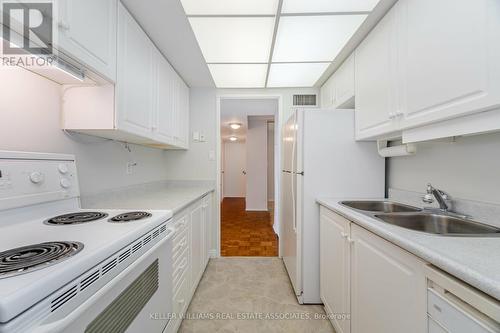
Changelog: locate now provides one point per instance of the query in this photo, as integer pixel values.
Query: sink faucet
(440, 196)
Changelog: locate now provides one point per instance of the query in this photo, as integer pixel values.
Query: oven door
(138, 300)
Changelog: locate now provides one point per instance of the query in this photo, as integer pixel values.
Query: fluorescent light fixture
(233, 138)
(327, 6)
(235, 126)
(314, 38)
(234, 39)
(239, 75)
(295, 75)
(230, 7)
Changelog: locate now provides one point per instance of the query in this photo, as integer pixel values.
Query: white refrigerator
(321, 159)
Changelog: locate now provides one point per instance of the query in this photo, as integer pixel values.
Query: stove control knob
(36, 177)
(63, 168)
(65, 183)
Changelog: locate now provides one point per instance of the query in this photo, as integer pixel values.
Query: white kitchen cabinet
(191, 247)
(388, 286)
(344, 84)
(334, 268)
(207, 222)
(164, 108)
(328, 93)
(449, 59)
(376, 88)
(87, 33)
(134, 88)
(149, 104)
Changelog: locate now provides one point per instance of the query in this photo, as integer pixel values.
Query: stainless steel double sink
(428, 221)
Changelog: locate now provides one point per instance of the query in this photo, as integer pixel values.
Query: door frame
(277, 160)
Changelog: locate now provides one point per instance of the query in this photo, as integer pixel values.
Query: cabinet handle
(344, 235)
(63, 26)
(350, 240)
(399, 113)
(392, 115)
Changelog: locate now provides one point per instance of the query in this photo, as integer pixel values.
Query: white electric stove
(67, 269)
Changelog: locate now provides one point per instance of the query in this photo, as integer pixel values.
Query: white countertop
(475, 260)
(161, 195)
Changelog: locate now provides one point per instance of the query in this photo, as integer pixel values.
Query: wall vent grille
(305, 100)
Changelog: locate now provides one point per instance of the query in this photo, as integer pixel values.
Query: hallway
(246, 233)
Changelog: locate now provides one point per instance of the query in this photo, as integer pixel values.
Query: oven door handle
(61, 325)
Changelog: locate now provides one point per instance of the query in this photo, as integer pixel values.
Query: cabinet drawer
(180, 300)
(457, 317)
(180, 243)
(181, 224)
(433, 327)
(180, 267)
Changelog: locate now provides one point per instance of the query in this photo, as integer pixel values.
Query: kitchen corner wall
(467, 168)
(30, 111)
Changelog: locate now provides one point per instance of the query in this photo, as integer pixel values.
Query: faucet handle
(428, 198)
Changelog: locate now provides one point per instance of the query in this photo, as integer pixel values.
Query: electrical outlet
(130, 167)
(202, 137)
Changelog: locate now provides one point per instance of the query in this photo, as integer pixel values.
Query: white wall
(256, 196)
(30, 110)
(468, 168)
(195, 163)
(270, 161)
(235, 163)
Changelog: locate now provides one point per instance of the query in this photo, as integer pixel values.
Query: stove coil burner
(33, 257)
(76, 218)
(130, 216)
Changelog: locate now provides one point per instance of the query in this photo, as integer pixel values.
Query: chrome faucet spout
(441, 197)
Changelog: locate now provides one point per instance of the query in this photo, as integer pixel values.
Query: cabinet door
(375, 77)
(328, 93)
(388, 286)
(164, 106)
(344, 88)
(182, 119)
(449, 58)
(207, 214)
(87, 32)
(334, 268)
(197, 241)
(134, 78)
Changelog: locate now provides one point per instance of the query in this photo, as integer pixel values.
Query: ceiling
(238, 111)
(273, 43)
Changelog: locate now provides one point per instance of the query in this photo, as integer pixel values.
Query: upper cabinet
(427, 62)
(376, 98)
(149, 104)
(449, 60)
(87, 33)
(135, 81)
(338, 90)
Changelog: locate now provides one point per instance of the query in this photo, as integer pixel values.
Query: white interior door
(234, 170)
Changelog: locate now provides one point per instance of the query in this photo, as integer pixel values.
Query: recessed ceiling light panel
(327, 6)
(235, 126)
(295, 75)
(239, 75)
(230, 7)
(234, 39)
(233, 138)
(314, 38)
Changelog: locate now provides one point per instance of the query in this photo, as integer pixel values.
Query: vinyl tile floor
(246, 233)
(250, 295)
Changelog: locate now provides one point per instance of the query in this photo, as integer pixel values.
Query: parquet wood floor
(246, 233)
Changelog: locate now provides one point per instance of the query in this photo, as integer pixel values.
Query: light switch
(211, 155)
(196, 136)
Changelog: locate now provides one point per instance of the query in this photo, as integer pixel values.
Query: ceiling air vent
(304, 100)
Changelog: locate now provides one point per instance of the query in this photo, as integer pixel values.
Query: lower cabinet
(334, 269)
(388, 286)
(382, 286)
(190, 253)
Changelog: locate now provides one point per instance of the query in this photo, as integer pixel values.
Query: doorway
(248, 177)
